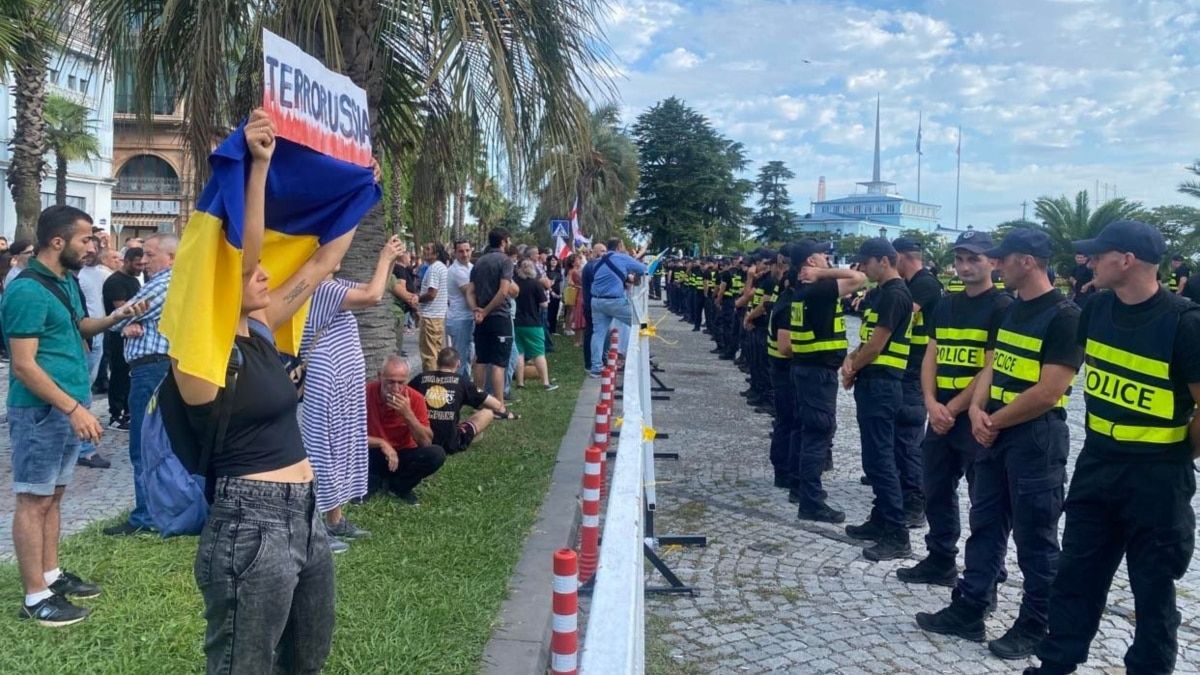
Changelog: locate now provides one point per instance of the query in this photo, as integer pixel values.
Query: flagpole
(919, 116)
(958, 176)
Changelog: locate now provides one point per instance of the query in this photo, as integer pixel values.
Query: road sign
(560, 228)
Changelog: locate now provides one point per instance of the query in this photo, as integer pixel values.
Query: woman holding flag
(263, 564)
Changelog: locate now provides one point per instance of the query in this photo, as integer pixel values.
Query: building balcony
(147, 186)
(125, 107)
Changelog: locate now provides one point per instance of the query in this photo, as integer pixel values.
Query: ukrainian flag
(311, 199)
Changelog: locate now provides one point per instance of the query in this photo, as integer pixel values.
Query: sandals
(507, 414)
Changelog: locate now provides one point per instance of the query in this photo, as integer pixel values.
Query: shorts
(44, 449)
(531, 341)
(466, 434)
(493, 341)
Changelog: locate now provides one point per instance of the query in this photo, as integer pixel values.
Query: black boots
(935, 569)
(1020, 640)
(961, 619)
(893, 544)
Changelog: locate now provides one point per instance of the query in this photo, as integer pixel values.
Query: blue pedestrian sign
(560, 228)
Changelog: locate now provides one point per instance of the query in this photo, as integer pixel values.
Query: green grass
(420, 596)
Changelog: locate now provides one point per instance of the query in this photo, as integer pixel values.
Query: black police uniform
(964, 330)
(879, 397)
(1177, 276)
(1133, 482)
(817, 331)
(1019, 480)
(926, 291)
(760, 372)
(784, 433)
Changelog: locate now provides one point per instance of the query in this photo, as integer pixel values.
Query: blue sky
(1052, 95)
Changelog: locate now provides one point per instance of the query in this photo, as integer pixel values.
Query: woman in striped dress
(334, 415)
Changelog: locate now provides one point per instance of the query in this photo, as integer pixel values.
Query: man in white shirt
(434, 299)
(91, 282)
(460, 320)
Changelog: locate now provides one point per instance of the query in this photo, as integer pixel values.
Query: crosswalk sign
(560, 228)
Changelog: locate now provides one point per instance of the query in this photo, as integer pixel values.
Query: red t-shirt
(384, 422)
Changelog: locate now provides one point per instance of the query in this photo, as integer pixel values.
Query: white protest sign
(313, 105)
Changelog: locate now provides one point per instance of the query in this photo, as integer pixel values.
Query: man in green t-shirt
(49, 386)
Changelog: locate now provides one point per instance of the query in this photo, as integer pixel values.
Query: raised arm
(362, 297)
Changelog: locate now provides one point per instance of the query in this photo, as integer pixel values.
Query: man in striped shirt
(146, 351)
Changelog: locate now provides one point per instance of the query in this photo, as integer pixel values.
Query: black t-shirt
(1060, 346)
(263, 433)
(926, 291)
(529, 301)
(489, 271)
(893, 303)
(960, 303)
(445, 394)
(118, 287)
(767, 284)
(406, 276)
(1185, 358)
(1081, 275)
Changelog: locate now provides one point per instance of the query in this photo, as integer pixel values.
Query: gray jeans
(266, 573)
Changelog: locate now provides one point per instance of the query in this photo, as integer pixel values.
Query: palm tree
(26, 52)
(69, 136)
(1066, 222)
(601, 171)
(1192, 187)
(513, 66)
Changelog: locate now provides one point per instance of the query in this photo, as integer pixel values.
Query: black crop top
(263, 433)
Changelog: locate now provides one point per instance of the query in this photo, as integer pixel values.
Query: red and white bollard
(614, 347)
(601, 430)
(564, 641)
(589, 527)
(606, 387)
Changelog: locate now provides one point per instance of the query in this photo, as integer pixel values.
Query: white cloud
(679, 59)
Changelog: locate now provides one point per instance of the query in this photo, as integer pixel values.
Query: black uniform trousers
(729, 345)
(760, 375)
(815, 391)
(878, 399)
(910, 432)
(946, 459)
(697, 315)
(118, 375)
(785, 434)
(1019, 485)
(1137, 510)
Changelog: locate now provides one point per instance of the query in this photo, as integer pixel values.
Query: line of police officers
(974, 384)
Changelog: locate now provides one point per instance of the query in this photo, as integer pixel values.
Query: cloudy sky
(1052, 95)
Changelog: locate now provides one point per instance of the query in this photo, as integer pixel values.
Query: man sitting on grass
(402, 449)
(446, 391)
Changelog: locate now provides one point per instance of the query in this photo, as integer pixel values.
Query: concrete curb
(520, 642)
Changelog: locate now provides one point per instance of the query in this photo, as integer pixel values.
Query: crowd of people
(303, 435)
(973, 383)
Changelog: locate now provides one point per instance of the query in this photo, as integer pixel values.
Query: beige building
(154, 190)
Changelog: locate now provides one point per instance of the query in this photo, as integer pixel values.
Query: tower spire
(875, 173)
(877, 186)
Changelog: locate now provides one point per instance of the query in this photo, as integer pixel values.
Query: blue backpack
(175, 463)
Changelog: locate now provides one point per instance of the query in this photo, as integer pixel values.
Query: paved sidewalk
(778, 594)
(94, 494)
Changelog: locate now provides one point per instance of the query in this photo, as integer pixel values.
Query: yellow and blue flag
(311, 199)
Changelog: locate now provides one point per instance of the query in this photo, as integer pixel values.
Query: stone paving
(94, 494)
(774, 594)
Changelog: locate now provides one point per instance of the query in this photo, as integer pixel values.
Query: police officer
(876, 370)
(756, 323)
(1180, 272)
(784, 429)
(1018, 415)
(926, 291)
(810, 329)
(962, 336)
(957, 284)
(1133, 482)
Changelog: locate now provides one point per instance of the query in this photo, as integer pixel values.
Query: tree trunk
(397, 205)
(27, 147)
(358, 28)
(460, 211)
(438, 227)
(60, 178)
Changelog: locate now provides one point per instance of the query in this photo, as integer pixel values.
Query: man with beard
(49, 387)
